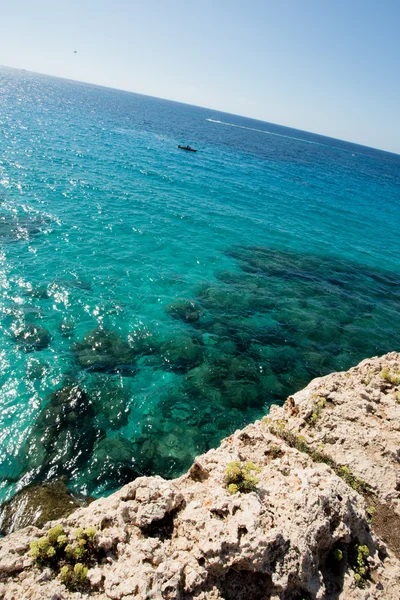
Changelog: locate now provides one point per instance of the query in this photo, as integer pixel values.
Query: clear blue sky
(327, 66)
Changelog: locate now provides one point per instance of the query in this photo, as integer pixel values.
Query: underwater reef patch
(104, 350)
(63, 436)
(269, 327)
(249, 338)
(32, 338)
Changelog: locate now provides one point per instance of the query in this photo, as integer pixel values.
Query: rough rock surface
(358, 424)
(190, 539)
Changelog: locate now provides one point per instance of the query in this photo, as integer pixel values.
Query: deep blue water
(151, 300)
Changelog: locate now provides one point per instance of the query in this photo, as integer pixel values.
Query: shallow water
(152, 300)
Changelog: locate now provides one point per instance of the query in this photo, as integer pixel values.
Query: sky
(325, 66)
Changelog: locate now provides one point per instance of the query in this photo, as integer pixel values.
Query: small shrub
(48, 549)
(312, 419)
(367, 380)
(241, 477)
(359, 564)
(69, 556)
(337, 555)
(336, 559)
(370, 512)
(74, 577)
(357, 484)
(316, 413)
(392, 378)
(397, 397)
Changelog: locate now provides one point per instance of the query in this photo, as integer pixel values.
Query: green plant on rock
(241, 477)
(336, 559)
(74, 577)
(68, 555)
(316, 412)
(392, 378)
(357, 484)
(300, 443)
(370, 511)
(337, 554)
(359, 564)
(48, 549)
(368, 378)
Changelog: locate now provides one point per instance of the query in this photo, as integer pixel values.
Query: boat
(188, 148)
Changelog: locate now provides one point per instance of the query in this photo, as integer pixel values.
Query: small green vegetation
(68, 556)
(368, 378)
(74, 577)
(392, 378)
(397, 397)
(241, 477)
(370, 512)
(299, 442)
(337, 555)
(359, 564)
(336, 559)
(316, 412)
(357, 484)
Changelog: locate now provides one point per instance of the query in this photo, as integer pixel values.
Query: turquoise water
(152, 300)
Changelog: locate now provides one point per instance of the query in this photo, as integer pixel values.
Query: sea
(152, 300)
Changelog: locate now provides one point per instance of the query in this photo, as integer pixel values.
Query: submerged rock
(20, 227)
(110, 402)
(78, 283)
(112, 463)
(104, 350)
(35, 369)
(143, 341)
(181, 353)
(184, 310)
(222, 298)
(36, 504)
(167, 450)
(67, 328)
(63, 434)
(40, 292)
(32, 337)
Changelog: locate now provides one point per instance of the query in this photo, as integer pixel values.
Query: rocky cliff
(321, 523)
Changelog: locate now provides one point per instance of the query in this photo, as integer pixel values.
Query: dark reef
(32, 337)
(37, 504)
(103, 350)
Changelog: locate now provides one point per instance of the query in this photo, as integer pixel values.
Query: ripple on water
(251, 337)
(151, 302)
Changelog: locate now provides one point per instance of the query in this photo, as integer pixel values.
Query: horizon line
(108, 87)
